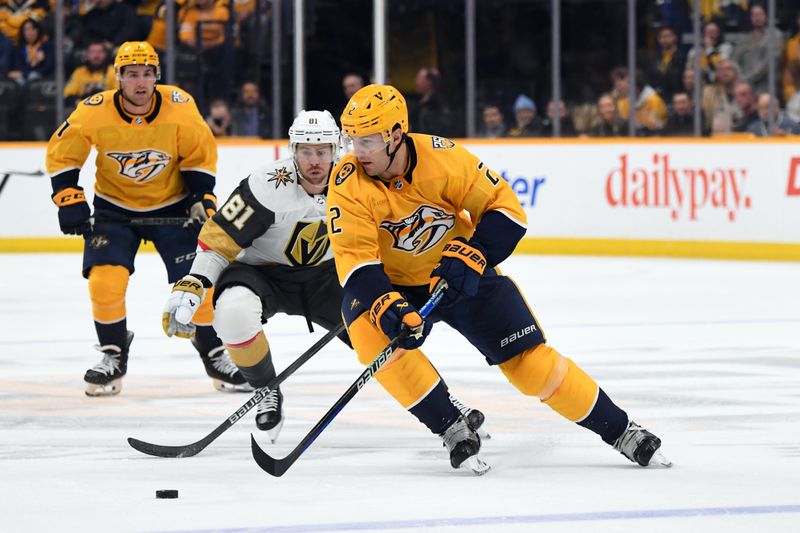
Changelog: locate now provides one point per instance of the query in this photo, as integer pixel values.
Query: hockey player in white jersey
(266, 251)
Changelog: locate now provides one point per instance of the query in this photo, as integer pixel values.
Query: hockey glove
(392, 314)
(461, 266)
(201, 208)
(187, 295)
(73, 211)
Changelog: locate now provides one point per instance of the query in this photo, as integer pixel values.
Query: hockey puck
(166, 494)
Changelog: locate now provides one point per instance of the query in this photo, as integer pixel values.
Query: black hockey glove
(461, 266)
(73, 211)
(392, 314)
(201, 207)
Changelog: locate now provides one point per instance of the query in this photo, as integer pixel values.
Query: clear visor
(368, 144)
(314, 154)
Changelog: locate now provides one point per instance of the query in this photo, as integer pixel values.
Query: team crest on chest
(140, 166)
(280, 177)
(420, 231)
(307, 244)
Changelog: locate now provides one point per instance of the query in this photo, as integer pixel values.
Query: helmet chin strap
(391, 155)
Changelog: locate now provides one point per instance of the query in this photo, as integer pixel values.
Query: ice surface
(706, 354)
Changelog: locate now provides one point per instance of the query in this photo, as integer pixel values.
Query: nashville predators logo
(141, 166)
(308, 244)
(421, 231)
(280, 177)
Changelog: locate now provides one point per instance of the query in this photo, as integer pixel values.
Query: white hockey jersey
(269, 219)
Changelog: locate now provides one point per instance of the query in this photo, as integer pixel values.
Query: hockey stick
(194, 448)
(277, 467)
(8, 173)
(142, 221)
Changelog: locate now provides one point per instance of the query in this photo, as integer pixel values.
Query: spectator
(32, 58)
(250, 114)
(567, 126)
(211, 18)
(746, 110)
(14, 13)
(219, 118)
(6, 49)
(752, 54)
(718, 98)
(793, 107)
(350, 84)
(493, 122)
(527, 124)
(431, 114)
(783, 124)
(667, 68)
(715, 49)
(94, 76)
(681, 118)
(158, 30)
(611, 125)
(689, 78)
(651, 111)
(107, 21)
(791, 69)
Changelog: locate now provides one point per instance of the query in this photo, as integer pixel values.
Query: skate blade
(274, 432)
(482, 433)
(224, 386)
(112, 388)
(659, 461)
(476, 465)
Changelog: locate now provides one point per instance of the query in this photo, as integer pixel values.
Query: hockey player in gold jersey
(407, 211)
(156, 158)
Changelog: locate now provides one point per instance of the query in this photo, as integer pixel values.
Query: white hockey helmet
(315, 127)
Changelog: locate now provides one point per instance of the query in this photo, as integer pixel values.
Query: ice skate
(223, 373)
(464, 443)
(474, 417)
(105, 378)
(269, 414)
(641, 446)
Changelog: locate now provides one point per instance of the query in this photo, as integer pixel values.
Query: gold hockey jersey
(404, 223)
(140, 159)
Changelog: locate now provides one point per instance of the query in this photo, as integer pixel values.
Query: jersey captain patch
(307, 244)
(140, 166)
(281, 177)
(420, 231)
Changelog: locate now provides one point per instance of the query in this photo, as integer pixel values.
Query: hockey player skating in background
(156, 157)
(408, 210)
(267, 251)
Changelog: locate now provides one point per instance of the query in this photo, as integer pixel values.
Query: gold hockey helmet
(375, 109)
(136, 53)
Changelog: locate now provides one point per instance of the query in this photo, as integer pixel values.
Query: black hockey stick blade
(189, 450)
(277, 467)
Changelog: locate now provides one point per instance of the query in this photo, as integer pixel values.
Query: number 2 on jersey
(232, 209)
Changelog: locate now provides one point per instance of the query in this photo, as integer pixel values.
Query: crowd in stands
(210, 36)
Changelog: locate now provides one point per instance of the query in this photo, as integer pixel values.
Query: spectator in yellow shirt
(94, 76)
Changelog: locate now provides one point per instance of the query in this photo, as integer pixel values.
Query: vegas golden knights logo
(141, 166)
(308, 244)
(420, 231)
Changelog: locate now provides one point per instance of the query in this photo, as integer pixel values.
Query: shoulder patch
(281, 176)
(179, 97)
(440, 143)
(95, 99)
(345, 172)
